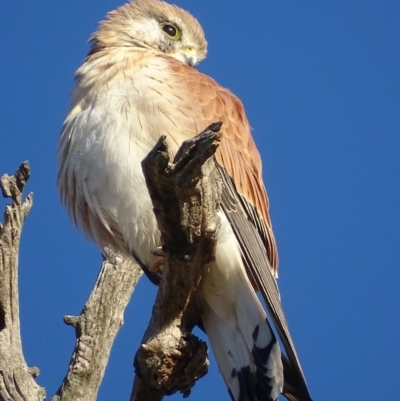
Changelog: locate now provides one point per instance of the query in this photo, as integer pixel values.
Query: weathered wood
(186, 199)
(97, 327)
(17, 380)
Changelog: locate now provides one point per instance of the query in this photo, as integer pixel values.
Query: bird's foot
(157, 266)
(159, 251)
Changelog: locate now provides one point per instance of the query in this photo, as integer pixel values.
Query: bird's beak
(190, 56)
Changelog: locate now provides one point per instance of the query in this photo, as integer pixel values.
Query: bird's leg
(156, 267)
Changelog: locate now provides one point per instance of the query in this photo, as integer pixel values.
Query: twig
(17, 380)
(97, 327)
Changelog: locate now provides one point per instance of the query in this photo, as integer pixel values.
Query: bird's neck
(104, 63)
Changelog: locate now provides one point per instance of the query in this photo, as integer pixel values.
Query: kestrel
(137, 83)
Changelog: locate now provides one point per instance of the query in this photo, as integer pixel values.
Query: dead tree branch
(17, 380)
(186, 198)
(97, 327)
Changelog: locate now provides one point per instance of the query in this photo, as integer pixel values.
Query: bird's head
(153, 24)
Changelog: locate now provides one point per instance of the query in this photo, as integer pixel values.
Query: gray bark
(17, 380)
(97, 327)
(186, 197)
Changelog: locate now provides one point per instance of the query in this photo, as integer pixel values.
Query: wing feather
(237, 152)
(254, 257)
(244, 198)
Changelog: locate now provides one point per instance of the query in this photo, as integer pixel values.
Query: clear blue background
(320, 82)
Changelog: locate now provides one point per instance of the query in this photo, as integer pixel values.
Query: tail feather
(241, 338)
(294, 388)
(251, 374)
(268, 368)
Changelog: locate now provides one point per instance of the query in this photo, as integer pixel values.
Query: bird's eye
(172, 31)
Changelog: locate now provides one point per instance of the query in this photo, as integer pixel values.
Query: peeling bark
(186, 199)
(17, 380)
(97, 327)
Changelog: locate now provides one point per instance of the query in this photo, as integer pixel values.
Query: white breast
(110, 129)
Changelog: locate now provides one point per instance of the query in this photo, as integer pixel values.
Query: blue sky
(321, 85)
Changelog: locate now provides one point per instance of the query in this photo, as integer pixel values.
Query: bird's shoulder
(238, 153)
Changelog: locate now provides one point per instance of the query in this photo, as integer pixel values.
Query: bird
(139, 81)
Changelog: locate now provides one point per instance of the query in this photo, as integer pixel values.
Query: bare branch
(186, 198)
(97, 327)
(170, 359)
(16, 378)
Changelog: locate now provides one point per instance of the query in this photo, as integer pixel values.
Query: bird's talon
(157, 266)
(159, 251)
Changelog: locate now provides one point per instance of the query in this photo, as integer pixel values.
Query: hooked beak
(190, 56)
